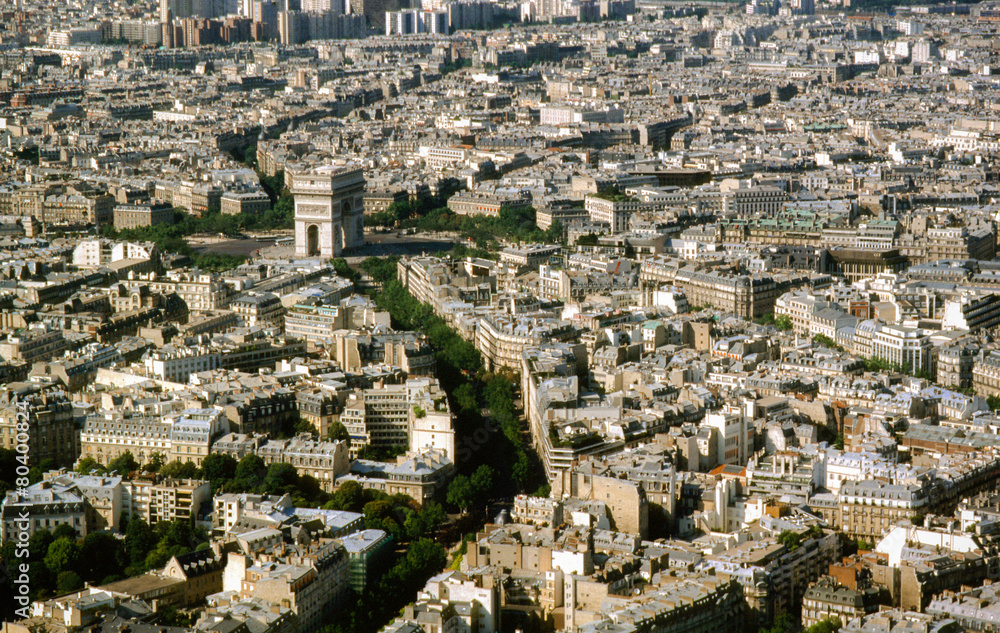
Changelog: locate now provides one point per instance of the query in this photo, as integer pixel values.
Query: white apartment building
(204, 291)
(846, 466)
(259, 308)
(443, 157)
(562, 114)
(616, 214)
(98, 252)
(973, 141)
(971, 312)
(38, 342)
(905, 346)
(314, 323)
(92, 253)
(744, 201)
(413, 21)
(71, 37)
(414, 415)
(872, 56)
(453, 587)
(734, 431)
(176, 364)
(799, 308)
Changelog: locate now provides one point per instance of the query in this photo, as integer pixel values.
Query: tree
(307, 491)
(102, 554)
(521, 470)
(350, 496)
(825, 341)
(279, 477)
(282, 214)
(156, 462)
(343, 269)
(554, 234)
(138, 540)
(381, 269)
(34, 475)
(464, 397)
(180, 470)
(993, 402)
(426, 521)
(250, 156)
(425, 558)
(830, 625)
(88, 465)
(338, 432)
(68, 582)
(782, 323)
(171, 616)
(63, 555)
(64, 530)
(461, 493)
(8, 470)
(38, 544)
(303, 425)
(250, 473)
(387, 218)
(123, 464)
(273, 185)
(781, 624)
(381, 515)
(482, 481)
(218, 468)
(178, 534)
(31, 154)
(790, 539)
(159, 557)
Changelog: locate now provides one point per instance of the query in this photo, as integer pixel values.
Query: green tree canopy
(338, 432)
(65, 530)
(88, 465)
(350, 497)
(279, 477)
(123, 464)
(103, 555)
(381, 269)
(250, 473)
(68, 582)
(63, 555)
(180, 470)
(38, 544)
(482, 482)
(218, 467)
(139, 540)
(461, 493)
(156, 462)
(830, 625)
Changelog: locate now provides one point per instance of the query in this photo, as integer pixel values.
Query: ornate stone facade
(329, 211)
